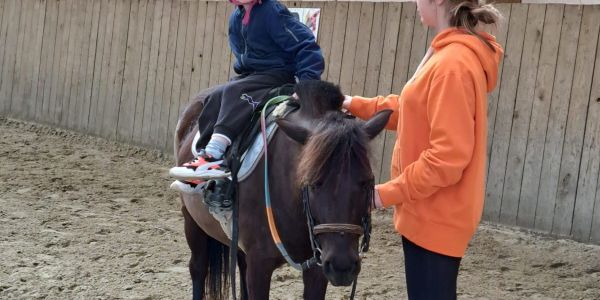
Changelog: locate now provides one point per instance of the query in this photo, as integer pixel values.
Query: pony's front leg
(315, 283)
(258, 276)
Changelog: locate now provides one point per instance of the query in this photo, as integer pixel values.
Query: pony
(320, 154)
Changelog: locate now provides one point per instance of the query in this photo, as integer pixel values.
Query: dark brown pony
(331, 150)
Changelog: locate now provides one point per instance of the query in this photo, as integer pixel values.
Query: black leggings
(429, 275)
(228, 109)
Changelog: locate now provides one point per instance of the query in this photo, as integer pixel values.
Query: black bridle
(314, 230)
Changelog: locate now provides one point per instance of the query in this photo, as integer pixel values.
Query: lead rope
(272, 227)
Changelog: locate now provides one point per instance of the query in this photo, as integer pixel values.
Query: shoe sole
(176, 187)
(192, 176)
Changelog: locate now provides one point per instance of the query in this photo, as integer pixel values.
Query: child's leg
(237, 102)
(240, 99)
(208, 116)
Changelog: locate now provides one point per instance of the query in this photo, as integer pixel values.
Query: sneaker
(188, 187)
(203, 167)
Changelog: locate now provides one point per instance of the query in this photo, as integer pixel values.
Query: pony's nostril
(327, 267)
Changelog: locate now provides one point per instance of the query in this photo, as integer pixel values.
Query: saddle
(217, 193)
(248, 147)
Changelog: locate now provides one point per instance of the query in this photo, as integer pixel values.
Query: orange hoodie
(439, 159)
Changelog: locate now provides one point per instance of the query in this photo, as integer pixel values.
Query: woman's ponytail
(468, 14)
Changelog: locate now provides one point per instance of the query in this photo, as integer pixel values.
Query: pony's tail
(217, 281)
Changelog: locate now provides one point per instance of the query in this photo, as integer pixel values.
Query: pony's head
(335, 176)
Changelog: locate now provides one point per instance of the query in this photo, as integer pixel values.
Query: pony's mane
(336, 142)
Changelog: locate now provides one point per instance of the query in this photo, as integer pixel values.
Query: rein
(314, 230)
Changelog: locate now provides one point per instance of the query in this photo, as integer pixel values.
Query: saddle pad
(252, 156)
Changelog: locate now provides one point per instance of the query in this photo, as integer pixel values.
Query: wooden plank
(208, 45)
(30, 68)
(158, 108)
(28, 60)
(117, 66)
(188, 60)
(8, 69)
(339, 32)
(539, 116)
(325, 36)
(163, 126)
(198, 55)
(5, 16)
(567, 52)
(152, 105)
(39, 17)
(48, 63)
(129, 93)
(22, 74)
(90, 50)
(361, 58)
(587, 200)
(502, 34)
(576, 120)
(506, 102)
(101, 66)
(595, 232)
(176, 88)
(349, 46)
(104, 78)
(63, 114)
(77, 93)
(405, 38)
(375, 50)
(19, 75)
(227, 57)
(60, 62)
(522, 114)
(3, 29)
(392, 28)
(396, 27)
(217, 44)
(372, 71)
(143, 105)
(105, 89)
(74, 80)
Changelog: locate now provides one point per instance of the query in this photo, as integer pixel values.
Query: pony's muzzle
(341, 271)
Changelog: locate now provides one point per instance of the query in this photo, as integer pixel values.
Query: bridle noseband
(342, 228)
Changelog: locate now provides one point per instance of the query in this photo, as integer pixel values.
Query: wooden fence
(124, 69)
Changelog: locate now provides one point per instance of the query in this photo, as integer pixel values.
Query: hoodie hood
(489, 59)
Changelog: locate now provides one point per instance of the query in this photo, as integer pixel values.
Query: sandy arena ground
(83, 218)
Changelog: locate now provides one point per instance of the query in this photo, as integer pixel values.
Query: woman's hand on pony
(347, 101)
(376, 203)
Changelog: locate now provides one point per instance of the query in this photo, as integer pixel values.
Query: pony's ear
(294, 131)
(376, 124)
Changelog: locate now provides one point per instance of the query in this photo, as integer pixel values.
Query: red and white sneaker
(188, 187)
(203, 167)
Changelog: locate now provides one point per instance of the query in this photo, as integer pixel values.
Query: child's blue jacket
(274, 41)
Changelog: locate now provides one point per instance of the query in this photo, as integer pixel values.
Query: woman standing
(439, 159)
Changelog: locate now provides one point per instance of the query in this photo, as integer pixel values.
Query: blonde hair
(468, 14)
